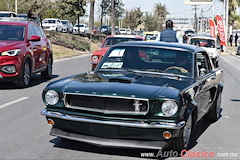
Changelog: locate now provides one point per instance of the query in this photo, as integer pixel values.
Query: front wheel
(182, 142)
(214, 114)
(25, 77)
(47, 74)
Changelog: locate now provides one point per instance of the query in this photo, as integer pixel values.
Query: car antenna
(89, 66)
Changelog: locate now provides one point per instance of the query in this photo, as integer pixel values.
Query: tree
(160, 12)
(150, 22)
(91, 15)
(133, 18)
(232, 12)
(72, 8)
(7, 5)
(107, 8)
(113, 17)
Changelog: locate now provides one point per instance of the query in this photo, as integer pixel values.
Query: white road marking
(13, 102)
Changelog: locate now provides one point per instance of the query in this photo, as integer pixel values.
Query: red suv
(24, 50)
(108, 42)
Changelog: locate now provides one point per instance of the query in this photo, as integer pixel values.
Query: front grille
(46, 27)
(106, 104)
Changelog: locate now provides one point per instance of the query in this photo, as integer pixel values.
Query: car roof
(51, 18)
(125, 36)
(22, 22)
(7, 12)
(158, 44)
(204, 36)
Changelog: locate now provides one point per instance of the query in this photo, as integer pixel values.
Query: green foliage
(151, 22)
(106, 8)
(7, 5)
(69, 40)
(133, 18)
(155, 22)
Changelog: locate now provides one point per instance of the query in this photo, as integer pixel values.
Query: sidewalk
(229, 51)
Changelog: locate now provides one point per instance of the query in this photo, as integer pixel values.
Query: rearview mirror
(35, 38)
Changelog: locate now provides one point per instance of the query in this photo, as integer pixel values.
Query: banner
(212, 28)
(221, 32)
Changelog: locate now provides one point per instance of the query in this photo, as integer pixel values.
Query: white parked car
(208, 43)
(67, 26)
(7, 14)
(128, 31)
(81, 29)
(123, 31)
(52, 24)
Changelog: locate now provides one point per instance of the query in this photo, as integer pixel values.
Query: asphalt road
(24, 133)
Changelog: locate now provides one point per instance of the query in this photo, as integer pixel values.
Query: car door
(36, 47)
(206, 80)
(33, 47)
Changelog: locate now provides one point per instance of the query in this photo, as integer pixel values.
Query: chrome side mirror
(202, 72)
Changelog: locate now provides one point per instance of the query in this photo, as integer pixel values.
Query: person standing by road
(169, 35)
(236, 39)
(184, 38)
(230, 40)
(30, 14)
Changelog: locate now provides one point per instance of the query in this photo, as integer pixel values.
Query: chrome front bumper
(114, 123)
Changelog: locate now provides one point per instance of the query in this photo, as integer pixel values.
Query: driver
(182, 61)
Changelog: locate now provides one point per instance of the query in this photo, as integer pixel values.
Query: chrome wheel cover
(49, 67)
(26, 74)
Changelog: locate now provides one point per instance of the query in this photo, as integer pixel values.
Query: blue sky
(175, 7)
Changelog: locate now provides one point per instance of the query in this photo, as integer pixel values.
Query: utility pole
(113, 17)
(196, 20)
(16, 6)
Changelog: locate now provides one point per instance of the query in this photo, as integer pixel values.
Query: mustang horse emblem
(137, 105)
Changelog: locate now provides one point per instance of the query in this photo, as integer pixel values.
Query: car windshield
(151, 36)
(49, 21)
(4, 15)
(201, 42)
(81, 25)
(12, 32)
(22, 15)
(149, 59)
(114, 40)
(64, 22)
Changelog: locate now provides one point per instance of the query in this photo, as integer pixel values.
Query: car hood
(49, 24)
(123, 84)
(8, 45)
(101, 51)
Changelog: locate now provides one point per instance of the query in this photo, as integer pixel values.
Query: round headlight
(94, 58)
(169, 108)
(51, 97)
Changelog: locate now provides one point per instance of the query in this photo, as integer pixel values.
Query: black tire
(180, 143)
(216, 65)
(47, 74)
(25, 77)
(214, 114)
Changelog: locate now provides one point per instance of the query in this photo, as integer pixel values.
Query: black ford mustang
(141, 95)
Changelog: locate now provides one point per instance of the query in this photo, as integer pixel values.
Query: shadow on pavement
(34, 81)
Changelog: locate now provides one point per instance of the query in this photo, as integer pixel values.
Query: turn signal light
(50, 122)
(167, 135)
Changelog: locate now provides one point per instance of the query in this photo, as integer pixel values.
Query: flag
(212, 28)
(221, 32)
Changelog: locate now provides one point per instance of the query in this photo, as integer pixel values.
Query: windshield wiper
(152, 70)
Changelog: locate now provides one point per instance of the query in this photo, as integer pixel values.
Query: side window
(203, 64)
(37, 31)
(30, 31)
(42, 33)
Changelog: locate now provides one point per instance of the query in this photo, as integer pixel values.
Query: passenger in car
(131, 59)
